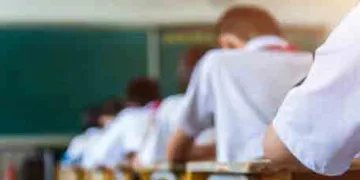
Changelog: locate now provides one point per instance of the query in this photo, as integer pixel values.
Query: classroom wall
(141, 12)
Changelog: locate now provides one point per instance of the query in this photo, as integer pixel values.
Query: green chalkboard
(170, 55)
(49, 75)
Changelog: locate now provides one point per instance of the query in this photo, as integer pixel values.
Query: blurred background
(59, 56)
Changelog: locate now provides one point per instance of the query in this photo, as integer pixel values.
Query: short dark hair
(91, 117)
(188, 62)
(143, 90)
(246, 22)
(112, 107)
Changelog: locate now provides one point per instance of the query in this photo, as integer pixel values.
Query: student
(318, 124)
(123, 136)
(164, 123)
(237, 89)
(96, 118)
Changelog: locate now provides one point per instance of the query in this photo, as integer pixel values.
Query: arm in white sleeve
(197, 112)
(319, 122)
(111, 140)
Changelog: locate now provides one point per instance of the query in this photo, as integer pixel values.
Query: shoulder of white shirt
(257, 45)
(172, 98)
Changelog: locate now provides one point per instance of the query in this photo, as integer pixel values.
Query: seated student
(318, 125)
(96, 118)
(164, 125)
(123, 136)
(240, 86)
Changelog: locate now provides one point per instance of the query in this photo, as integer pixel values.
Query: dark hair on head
(143, 90)
(91, 117)
(112, 107)
(188, 62)
(246, 22)
(194, 54)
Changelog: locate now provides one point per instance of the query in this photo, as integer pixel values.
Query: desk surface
(258, 166)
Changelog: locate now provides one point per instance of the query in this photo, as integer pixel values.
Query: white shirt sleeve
(136, 131)
(98, 153)
(207, 137)
(319, 121)
(122, 136)
(196, 113)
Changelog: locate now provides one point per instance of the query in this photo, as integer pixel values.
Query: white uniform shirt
(78, 145)
(320, 121)
(122, 136)
(241, 90)
(162, 128)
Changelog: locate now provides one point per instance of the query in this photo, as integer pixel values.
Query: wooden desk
(147, 173)
(70, 174)
(98, 174)
(260, 170)
(127, 172)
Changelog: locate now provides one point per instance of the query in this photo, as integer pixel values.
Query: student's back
(253, 86)
(74, 153)
(96, 118)
(123, 136)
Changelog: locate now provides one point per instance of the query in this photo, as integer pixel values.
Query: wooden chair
(127, 172)
(100, 174)
(70, 173)
(77, 173)
(260, 170)
(162, 171)
(124, 171)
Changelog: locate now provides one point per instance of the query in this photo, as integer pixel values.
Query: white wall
(145, 12)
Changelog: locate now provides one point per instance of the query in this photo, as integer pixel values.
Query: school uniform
(206, 137)
(161, 129)
(74, 154)
(319, 121)
(239, 91)
(122, 136)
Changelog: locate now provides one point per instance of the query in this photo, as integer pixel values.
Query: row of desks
(257, 170)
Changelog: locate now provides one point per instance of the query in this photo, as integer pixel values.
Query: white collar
(262, 42)
(92, 130)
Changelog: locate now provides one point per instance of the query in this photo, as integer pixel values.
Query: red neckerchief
(288, 48)
(156, 104)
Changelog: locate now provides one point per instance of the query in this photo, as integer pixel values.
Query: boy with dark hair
(96, 118)
(123, 136)
(237, 89)
(164, 123)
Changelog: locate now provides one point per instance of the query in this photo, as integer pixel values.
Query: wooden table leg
(86, 176)
(109, 174)
(180, 175)
(145, 175)
(196, 176)
(277, 176)
(128, 174)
